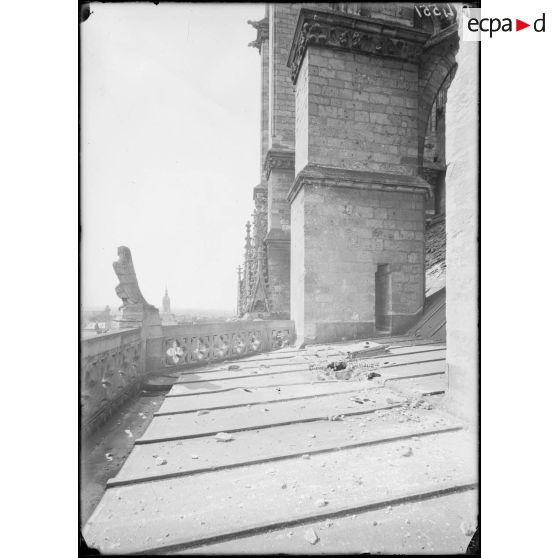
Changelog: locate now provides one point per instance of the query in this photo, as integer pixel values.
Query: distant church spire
(166, 302)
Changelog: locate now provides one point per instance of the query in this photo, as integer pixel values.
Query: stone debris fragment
(321, 503)
(194, 457)
(202, 412)
(418, 402)
(467, 528)
(311, 435)
(407, 452)
(335, 417)
(311, 537)
(305, 456)
(108, 456)
(329, 523)
(160, 461)
(223, 437)
(142, 415)
(233, 367)
(129, 433)
(284, 485)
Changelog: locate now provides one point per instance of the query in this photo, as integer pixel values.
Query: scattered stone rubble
(346, 369)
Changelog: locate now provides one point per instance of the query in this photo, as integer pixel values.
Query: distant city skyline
(170, 149)
(209, 312)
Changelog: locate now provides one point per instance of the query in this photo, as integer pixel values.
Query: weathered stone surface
(134, 305)
(462, 242)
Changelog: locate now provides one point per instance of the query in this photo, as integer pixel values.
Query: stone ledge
(370, 36)
(318, 175)
(277, 235)
(283, 159)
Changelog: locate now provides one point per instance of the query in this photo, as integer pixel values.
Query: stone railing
(194, 344)
(112, 366)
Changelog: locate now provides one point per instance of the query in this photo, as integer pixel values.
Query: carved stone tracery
(253, 297)
(278, 159)
(366, 35)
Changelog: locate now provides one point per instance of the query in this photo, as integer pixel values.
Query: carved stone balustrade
(194, 344)
(112, 366)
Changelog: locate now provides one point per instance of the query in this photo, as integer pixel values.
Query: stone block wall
(462, 230)
(278, 265)
(280, 153)
(278, 211)
(282, 21)
(362, 111)
(342, 236)
(264, 114)
(302, 118)
(357, 196)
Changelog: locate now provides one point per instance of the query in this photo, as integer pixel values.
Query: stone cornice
(317, 175)
(369, 36)
(262, 27)
(279, 159)
(277, 235)
(450, 32)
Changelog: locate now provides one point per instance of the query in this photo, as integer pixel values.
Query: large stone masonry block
(462, 236)
(357, 241)
(357, 92)
(361, 111)
(279, 267)
(341, 233)
(279, 173)
(264, 109)
(281, 129)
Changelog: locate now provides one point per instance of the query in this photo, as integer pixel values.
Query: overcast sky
(170, 148)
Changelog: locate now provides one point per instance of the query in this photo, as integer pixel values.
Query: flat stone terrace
(306, 465)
